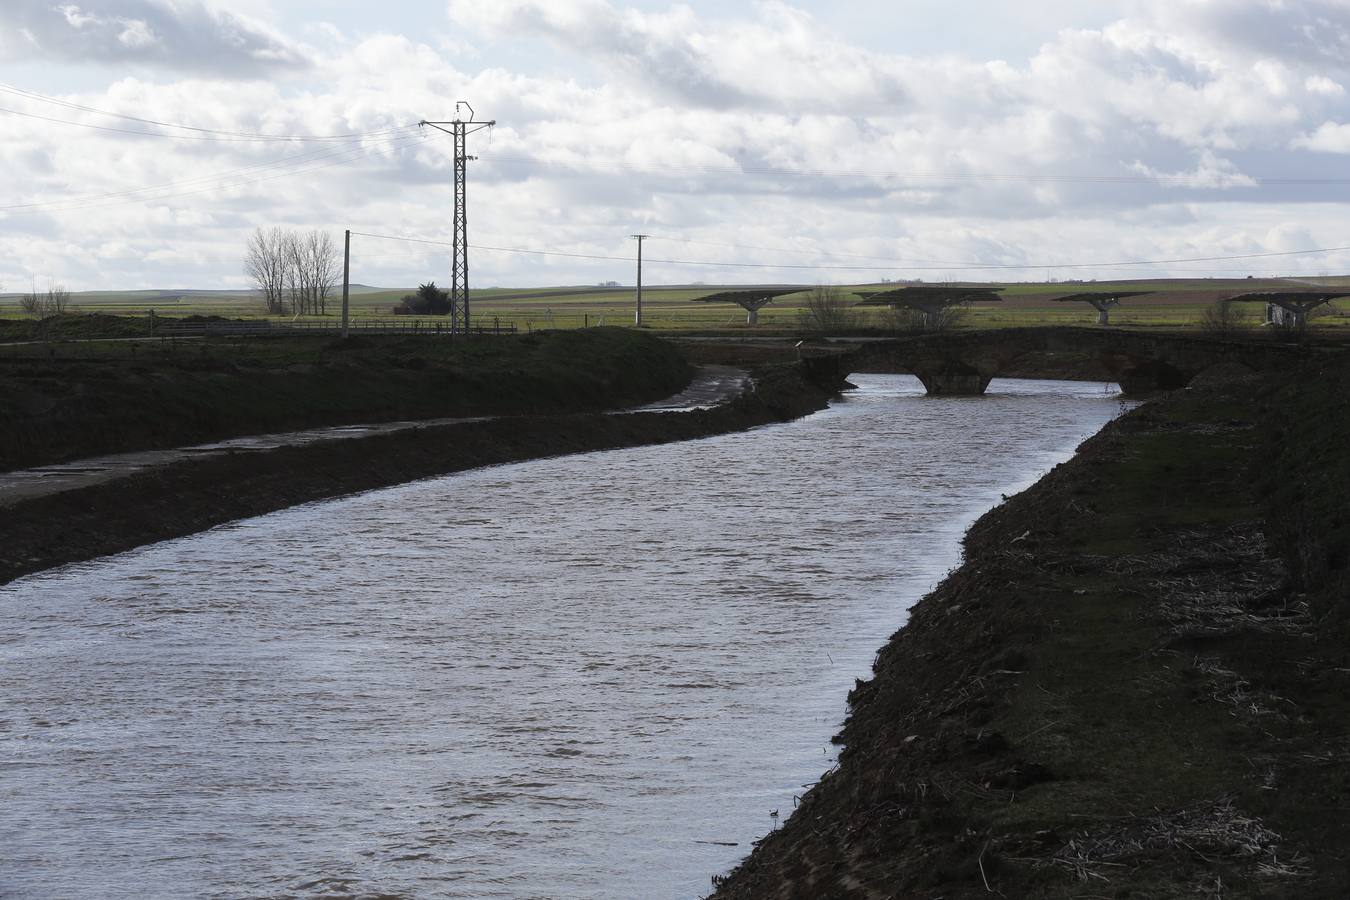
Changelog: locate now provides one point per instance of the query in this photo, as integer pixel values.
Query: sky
(794, 142)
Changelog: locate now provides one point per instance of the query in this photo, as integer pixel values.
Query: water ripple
(591, 676)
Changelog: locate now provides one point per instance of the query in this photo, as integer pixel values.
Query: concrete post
(637, 316)
(346, 276)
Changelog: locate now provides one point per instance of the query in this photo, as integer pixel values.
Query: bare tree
(926, 319)
(58, 298)
(315, 258)
(31, 303)
(294, 271)
(296, 285)
(826, 310)
(1223, 319)
(41, 304)
(265, 261)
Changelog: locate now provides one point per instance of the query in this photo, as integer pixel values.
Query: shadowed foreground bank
(1138, 685)
(73, 400)
(191, 496)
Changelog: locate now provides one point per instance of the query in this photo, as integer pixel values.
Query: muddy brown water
(591, 676)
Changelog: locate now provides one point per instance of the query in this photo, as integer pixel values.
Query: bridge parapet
(963, 363)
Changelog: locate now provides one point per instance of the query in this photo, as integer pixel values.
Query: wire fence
(169, 328)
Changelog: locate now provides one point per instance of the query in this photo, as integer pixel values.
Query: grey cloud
(183, 36)
(663, 61)
(676, 69)
(1299, 32)
(748, 63)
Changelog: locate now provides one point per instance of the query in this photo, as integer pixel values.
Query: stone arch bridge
(964, 362)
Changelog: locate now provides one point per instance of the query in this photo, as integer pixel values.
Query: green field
(1176, 303)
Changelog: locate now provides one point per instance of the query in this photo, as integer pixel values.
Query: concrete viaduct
(964, 362)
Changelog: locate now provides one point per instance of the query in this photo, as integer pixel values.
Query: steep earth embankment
(191, 496)
(73, 400)
(1138, 684)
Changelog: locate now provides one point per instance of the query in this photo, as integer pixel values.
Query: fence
(173, 328)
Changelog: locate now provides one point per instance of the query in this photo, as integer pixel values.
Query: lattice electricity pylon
(460, 128)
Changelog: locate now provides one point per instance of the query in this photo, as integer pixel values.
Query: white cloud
(1144, 139)
(183, 35)
(137, 35)
(1211, 171)
(1297, 32)
(778, 57)
(1330, 137)
(1320, 84)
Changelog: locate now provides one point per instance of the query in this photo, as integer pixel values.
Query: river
(589, 676)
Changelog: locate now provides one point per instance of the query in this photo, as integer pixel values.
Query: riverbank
(191, 496)
(70, 400)
(1136, 685)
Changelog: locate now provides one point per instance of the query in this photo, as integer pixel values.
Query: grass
(71, 400)
(1177, 303)
(1150, 698)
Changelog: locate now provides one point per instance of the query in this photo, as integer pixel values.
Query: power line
(339, 157)
(219, 133)
(955, 267)
(800, 250)
(1179, 180)
(207, 138)
(958, 264)
(227, 178)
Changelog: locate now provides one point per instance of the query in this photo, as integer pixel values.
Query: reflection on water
(576, 677)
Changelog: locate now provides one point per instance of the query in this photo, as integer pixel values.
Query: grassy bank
(188, 497)
(70, 400)
(1136, 686)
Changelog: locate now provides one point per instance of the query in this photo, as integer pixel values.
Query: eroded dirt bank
(1138, 685)
(188, 497)
(70, 401)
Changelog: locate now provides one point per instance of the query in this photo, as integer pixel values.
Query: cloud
(1330, 137)
(1300, 33)
(1211, 171)
(1320, 84)
(185, 36)
(778, 57)
(1145, 138)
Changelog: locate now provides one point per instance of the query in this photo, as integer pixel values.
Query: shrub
(827, 311)
(428, 301)
(1222, 320)
(44, 304)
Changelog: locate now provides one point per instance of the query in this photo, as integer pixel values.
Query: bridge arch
(963, 363)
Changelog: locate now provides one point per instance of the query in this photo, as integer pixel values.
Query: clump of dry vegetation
(826, 311)
(54, 301)
(1215, 829)
(1223, 320)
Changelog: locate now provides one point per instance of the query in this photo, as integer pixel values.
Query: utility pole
(460, 128)
(346, 276)
(637, 318)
